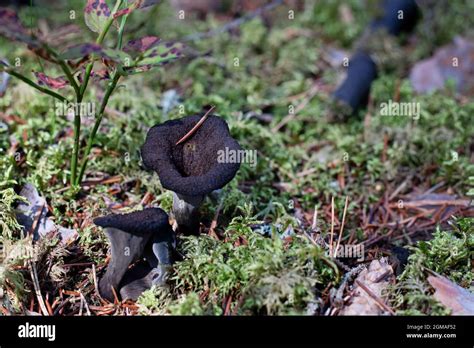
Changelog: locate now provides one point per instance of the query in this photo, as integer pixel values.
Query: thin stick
(342, 226)
(332, 225)
(375, 297)
(212, 231)
(85, 304)
(116, 300)
(314, 225)
(94, 275)
(34, 277)
(82, 305)
(196, 127)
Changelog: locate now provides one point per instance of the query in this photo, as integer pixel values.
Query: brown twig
(34, 277)
(212, 231)
(196, 127)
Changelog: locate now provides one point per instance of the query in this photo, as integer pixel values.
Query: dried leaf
(452, 62)
(451, 295)
(96, 14)
(32, 215)
(51, 82)
(102, 74)
(362, 303)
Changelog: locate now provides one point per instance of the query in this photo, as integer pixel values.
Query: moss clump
(449, 253)
(255, 274)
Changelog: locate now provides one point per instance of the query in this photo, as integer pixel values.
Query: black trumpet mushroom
(361, 72)
(397, 16)
(132, 236)
(192, 168)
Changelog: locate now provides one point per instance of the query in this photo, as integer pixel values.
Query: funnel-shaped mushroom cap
(128, 235)
(143, 222)
(193, 167)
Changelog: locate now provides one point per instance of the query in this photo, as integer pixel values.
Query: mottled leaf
(81, 50)
(141, 45)
(117, 56)
(96, 14)
(162, 53)
(51, 82)
(12, 29)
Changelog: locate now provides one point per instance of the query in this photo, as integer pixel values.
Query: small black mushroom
(192, 168)
(355, 89)
(397, 16)
(145, 233)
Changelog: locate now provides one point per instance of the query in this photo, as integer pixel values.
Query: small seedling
(83, 61)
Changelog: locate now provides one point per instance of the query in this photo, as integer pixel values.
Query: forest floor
(255, 75)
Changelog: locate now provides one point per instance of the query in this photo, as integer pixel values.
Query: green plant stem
(76, 180)
(69, 76)
(75, 150)
(99, 41)
(65, 69)
(77, 117)
(35, 85)
(121, 30)
(98, 120)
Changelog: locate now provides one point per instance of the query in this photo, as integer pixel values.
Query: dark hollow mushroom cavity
(134, 236)
(194, 168)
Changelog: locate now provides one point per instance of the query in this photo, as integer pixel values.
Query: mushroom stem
(126, 248)
(186, 212)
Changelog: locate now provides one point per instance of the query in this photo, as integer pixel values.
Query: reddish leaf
(51, 82)
(137, 4)
(96, 14)
(102, 74)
